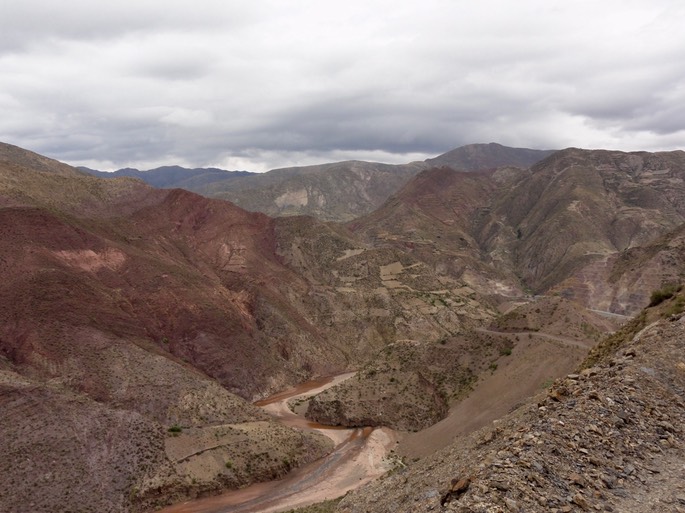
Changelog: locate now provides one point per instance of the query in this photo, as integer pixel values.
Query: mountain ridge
(337, 191)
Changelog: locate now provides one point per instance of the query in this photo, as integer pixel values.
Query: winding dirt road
(359, 457)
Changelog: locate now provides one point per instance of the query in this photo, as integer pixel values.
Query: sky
(262, 84)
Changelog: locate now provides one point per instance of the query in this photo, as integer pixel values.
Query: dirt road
(359, 457)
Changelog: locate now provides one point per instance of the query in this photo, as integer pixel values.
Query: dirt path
(539, 334)
(359, 457)
(534, 361)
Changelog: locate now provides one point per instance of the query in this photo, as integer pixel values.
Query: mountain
(476, 157)
(157, 314)
(137, 324)
(338, 191)
(120, 338)
(173, 177)
(346, 190)
(572, 225)
(607, 437)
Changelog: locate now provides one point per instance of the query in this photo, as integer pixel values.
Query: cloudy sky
(269, 83)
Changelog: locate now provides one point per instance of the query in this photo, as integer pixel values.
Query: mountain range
(138, 324)
(331, 192)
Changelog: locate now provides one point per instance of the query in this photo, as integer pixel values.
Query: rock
(581, 501)
(511, 504)
(456, 490)
(577, 479)
(501, 485)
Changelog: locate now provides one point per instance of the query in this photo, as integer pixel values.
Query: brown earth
(156, 308)
(410, 384)
(608, 438)
(159, 312)
(573, 224)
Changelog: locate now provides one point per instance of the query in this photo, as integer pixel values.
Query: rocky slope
(571, 225)
(585, 208)
(608, 438)
(159, 312)
(411, 384)
(106, 333)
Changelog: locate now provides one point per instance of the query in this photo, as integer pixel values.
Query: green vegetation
(547, 383)
(677, 307)
(664, 293)
(175, 429)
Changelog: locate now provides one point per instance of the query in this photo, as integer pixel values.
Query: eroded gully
(359, 457)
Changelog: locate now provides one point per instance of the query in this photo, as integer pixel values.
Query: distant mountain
(173, 177)
(346, 190)
(338, 191)
(476, 157)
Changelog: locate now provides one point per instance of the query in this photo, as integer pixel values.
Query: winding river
(359, 457)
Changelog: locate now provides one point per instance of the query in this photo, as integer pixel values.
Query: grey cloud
(141, 82)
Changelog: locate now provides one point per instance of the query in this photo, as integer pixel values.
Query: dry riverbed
(360, 456)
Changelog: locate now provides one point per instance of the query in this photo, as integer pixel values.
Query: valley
(360, 456)
(159, 347)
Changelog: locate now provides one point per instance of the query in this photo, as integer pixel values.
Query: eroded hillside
(607, 438)
(575, 224)
(158, 313)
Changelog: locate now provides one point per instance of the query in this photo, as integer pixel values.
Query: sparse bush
(677, 307)
(175, 429)
(664, 293)
(547, 383)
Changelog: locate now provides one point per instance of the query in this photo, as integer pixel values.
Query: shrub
(175, 429)
(664, 293)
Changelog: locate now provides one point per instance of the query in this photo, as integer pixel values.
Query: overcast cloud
(261, 84)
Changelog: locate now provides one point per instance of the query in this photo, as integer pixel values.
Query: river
(359, 457)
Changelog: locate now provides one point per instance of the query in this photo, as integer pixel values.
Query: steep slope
(579, 209)
(335, 192)
(412, 384)
(103, 332)
(440, 217)
(346, 190)
(608, 438)
(569, 225)
(331, 192)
